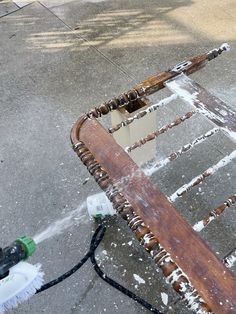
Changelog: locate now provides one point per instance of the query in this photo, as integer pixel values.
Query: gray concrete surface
(50, 74)
(7, 7)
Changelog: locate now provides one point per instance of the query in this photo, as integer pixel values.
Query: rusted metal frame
(105, 159)
(207, 104)
(229, 261)
(174, 275)
(216, 212)
(152, 168)
(146, 88)
(143, 113)
(156, 82)
(160, 131)
(200, 178)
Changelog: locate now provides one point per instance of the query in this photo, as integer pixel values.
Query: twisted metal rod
(162, 130)
(200, 178)
(156, 82)
(216, 212)
(184, 149)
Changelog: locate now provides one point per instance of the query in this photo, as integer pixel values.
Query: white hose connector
(99, 206)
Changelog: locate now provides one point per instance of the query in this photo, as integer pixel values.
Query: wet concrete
(50, 74)
(7, 7)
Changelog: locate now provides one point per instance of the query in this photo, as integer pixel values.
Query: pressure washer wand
(18, 280)
(19, 250)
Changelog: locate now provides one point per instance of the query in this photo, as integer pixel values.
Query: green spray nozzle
(21, 249)
(28, 244)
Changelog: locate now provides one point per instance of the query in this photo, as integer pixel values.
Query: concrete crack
(116, 65)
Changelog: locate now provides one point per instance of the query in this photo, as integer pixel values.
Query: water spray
(19, 280)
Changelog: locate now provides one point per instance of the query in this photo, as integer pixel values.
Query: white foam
(138, 279)
(199, 226)
(179, 85)
(164, 298)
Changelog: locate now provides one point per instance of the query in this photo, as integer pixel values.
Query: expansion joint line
(79, 36)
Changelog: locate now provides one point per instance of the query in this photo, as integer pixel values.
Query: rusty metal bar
(109, 164)
(156, 82)
(214, 214)
(171, 271)
(162, 130)
(174, 275)
(149, 170)
(200, 178)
